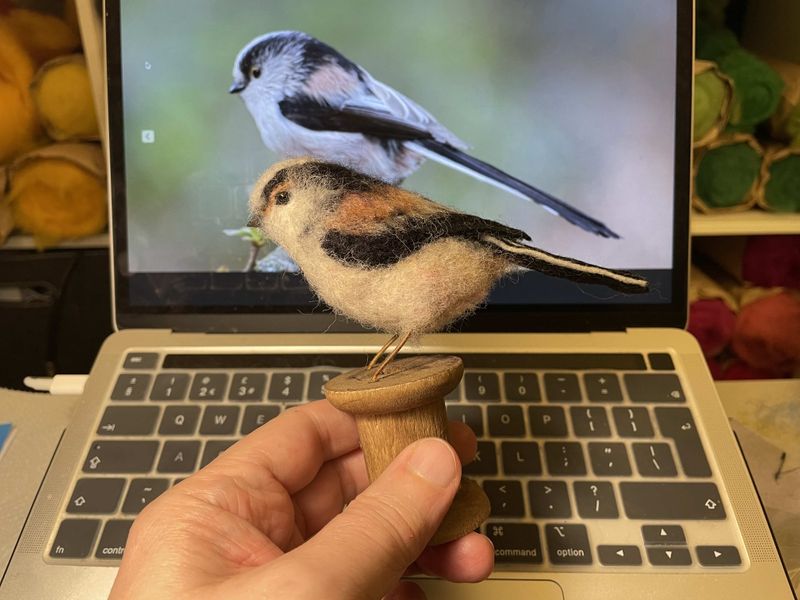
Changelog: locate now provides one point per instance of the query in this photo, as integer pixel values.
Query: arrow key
(616, 556)
(718, 556)
(663, 535)
(669, 557)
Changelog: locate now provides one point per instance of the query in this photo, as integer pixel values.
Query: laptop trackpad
(494, 588)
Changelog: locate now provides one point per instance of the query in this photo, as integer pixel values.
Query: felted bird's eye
(255, 73)
(282, 198)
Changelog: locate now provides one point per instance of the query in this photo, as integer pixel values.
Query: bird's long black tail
(477, 168)
(535, 259)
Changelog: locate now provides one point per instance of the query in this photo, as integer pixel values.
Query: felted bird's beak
(237, 86)
(254, 221)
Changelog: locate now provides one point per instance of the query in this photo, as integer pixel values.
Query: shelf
(750, 222)
(25, 242)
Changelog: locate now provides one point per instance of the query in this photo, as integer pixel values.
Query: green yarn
(782, 192)
(714, 42)
(710, 93)
(726, 174)
(758, 87)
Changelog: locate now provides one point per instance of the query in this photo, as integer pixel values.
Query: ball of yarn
(712, 323)
(19, 125)
(55, 199)
(767, 334)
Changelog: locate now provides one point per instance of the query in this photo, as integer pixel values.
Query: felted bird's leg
(381, 351)
(391, 356)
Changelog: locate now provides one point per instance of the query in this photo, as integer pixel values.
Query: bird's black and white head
(295, 198)
(282, 64)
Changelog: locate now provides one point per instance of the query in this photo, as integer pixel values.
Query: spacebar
(671, 501)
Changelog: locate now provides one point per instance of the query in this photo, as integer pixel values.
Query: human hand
(265, 520)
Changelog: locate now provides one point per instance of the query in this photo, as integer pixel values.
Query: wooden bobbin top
(405, 384)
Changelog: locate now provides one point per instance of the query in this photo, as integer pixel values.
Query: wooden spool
(407, 404)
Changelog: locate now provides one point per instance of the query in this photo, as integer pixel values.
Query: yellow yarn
(43, 36)
(55, 199)
(19, 126)
(62, 94)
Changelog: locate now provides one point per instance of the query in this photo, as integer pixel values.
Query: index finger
(290, 448)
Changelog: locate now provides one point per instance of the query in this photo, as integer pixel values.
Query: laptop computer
(608, 460)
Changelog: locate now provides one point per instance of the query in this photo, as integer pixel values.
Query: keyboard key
(602, 387)
(670, 556)
(718, 556)
(213, 449)
(663, 535)
(505, 498)
(522, 387)
(564, 458)
(170, 386)
(179, 420)
(286, 387)
(609, 459)
(75, 538)
(95, 496)
(178, 457)
(671, 501)
(654, 460)
(549, 499)
(121, 457)
(140, 360)
(595, 500)
(256, 416)
(131, 386)
(112, 542)
(547, 421)
(568, 545)
(515, 542)
(590, 421)
(141, 493)
(469, 415)
(317, 381)
(484, 387)
(678, 424)
(248, 387)
(661, 361)
(219, 420)
(208, 386)
(562, 387)
(128, 420)
(654, 387)
(619, 556)
(633, 422)
(521, 458)
(506, 421)
(485, 462)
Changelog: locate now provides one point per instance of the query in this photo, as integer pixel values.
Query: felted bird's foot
(380, 353)
(391, 356)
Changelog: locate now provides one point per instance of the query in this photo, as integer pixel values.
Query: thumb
(364, 551)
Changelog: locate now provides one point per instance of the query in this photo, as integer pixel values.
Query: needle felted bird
(392, 259)
(308, 99)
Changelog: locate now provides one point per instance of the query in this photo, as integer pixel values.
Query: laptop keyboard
(590, 461)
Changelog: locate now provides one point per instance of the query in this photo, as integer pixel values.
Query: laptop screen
(572, 100)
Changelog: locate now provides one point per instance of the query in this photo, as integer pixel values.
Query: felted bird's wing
(378, 230)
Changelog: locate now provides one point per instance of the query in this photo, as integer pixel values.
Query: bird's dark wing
(368, 120)
(402, 235)
(320, 116)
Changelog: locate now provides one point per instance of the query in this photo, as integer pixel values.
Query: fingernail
(433, 459)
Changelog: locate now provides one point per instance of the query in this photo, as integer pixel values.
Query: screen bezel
(496, 318)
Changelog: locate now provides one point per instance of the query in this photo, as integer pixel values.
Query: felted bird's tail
(535, 259)
(453, 157)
